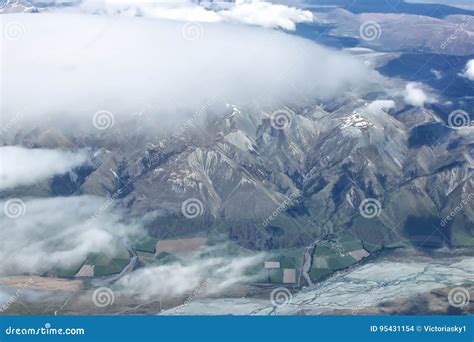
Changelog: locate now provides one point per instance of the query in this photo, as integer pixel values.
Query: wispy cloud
(24, 166)
(219, 273)
(51, 234)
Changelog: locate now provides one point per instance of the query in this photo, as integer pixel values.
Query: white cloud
(267, 15)
(254, 12)
(57, 233)
(211, 274)
(469, 71)
(414, 95)
(176, 10)
(377, 106)
(437, 73)
(23, 166)
(124, 65)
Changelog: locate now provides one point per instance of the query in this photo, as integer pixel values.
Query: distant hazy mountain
(464, 4)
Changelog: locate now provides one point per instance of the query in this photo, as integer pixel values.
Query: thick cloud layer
(40, 235)
(23, 166)
(254, 12)
(166, 68)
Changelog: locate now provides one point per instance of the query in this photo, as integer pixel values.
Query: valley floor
(392, 279)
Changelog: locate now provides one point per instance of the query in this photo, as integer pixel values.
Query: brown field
(41, 283)
(85, 271)
(180, 246)
(359, 254)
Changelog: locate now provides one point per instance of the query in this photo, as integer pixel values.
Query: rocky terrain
(368, 170)
(332, 155)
